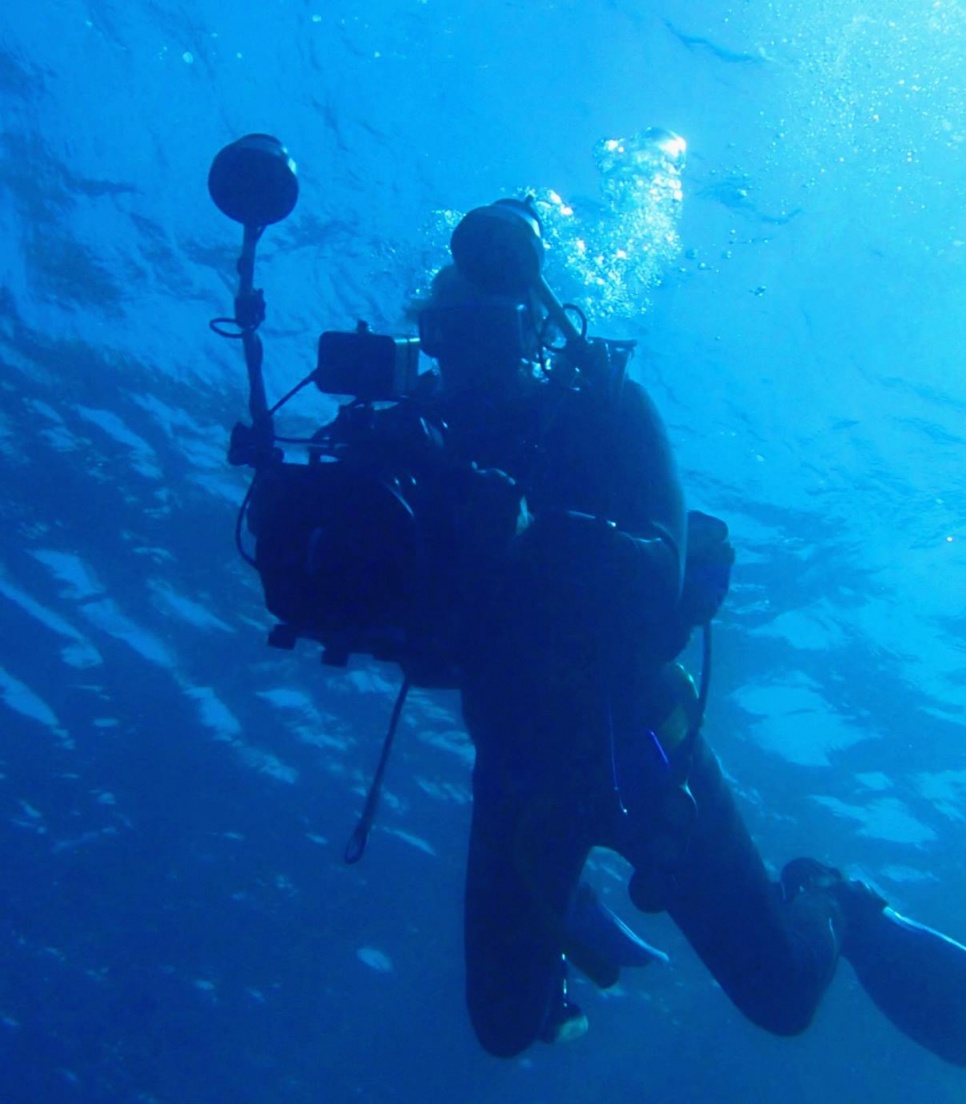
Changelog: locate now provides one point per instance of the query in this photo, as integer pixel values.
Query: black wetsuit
(562, 667)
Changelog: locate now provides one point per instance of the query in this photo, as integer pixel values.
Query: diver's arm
(647, 505)
(646, 492)
(698, 543)
(683, 560)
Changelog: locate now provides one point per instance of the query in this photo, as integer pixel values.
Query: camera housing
(371, 367)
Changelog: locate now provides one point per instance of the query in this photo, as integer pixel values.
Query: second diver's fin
(599, 943)
(916, 976)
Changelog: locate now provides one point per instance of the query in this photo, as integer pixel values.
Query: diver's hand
(611, 582)
(491, 510)
(707, 570)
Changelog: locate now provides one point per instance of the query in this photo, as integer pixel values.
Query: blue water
(176, 924)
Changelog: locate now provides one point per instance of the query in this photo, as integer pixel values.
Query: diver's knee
(790, 1019)
(499, 1037)
(778, 1010)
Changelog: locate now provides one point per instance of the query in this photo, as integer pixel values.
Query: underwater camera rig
(347, 545)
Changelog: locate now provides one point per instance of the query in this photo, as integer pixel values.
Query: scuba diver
(587, 731)
(515, 526)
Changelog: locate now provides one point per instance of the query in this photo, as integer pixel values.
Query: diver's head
(500, 247)
(478, 337)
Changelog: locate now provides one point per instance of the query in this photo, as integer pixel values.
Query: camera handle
(252, 445)
(249, 315)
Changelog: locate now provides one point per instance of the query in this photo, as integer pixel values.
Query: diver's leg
(525, 859)
(773, 959)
